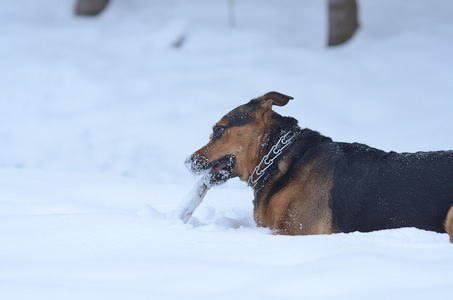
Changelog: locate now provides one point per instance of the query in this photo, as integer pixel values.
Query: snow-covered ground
(98, 114)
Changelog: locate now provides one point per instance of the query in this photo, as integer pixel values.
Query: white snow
(98, 114)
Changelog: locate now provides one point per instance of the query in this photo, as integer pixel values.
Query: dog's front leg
(449, 224)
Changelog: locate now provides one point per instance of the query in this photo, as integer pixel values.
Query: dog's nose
(196, 163)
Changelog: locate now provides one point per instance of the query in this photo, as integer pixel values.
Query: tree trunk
(90, 7)
(343, 20)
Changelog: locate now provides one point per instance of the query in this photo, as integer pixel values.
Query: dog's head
(235, 145)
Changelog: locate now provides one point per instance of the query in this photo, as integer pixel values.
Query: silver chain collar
(270, 157)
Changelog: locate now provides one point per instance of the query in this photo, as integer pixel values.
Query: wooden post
(343, 20)
(231, 14)
(90, 7)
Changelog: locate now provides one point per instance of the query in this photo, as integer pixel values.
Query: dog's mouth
(221, 169)
(217, 171)
(223, 164)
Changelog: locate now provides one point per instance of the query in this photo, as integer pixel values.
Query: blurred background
(134, 90)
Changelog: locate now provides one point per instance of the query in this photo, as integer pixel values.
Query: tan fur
(234, 139)
(449, 224)
(302, 207)
(248, 138)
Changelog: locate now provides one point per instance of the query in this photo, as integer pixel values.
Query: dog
(304, 183)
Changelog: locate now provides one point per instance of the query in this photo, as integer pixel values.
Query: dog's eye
(218, 131)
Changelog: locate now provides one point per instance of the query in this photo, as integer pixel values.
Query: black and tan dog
(304, 183)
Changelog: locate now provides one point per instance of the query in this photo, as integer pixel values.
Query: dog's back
(375, 190)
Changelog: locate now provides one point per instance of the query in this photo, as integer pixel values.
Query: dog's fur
(317, 186)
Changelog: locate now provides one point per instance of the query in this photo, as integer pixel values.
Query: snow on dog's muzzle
(196, 163)
(218, 171)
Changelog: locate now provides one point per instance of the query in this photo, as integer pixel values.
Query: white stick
(192, 200)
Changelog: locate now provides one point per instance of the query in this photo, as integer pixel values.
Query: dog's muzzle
(218, 171)
(196, 163)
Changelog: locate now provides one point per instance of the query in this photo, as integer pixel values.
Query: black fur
(372, 189)
(376, 190)
(242, 116)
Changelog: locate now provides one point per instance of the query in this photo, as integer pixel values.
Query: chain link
(276, 150)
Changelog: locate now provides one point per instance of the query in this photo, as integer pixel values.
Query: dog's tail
(449, 224)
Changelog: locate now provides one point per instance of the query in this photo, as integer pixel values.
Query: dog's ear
(274, 98)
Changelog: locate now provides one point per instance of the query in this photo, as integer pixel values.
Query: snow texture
(98, 114)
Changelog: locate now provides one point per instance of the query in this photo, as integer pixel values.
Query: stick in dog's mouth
(193, 199)
(214, 173)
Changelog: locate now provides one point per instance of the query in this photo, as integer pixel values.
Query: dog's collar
(269, 158)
